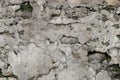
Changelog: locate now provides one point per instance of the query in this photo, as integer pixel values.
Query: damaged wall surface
(59, 40)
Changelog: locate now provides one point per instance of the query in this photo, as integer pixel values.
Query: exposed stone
(113, 2)
(2, 29)
(59, 39)
(50, 76)
(1, 64)
(21, 67)
(7, 78)
(60, 20)
(103, 75)
(15, 2)
(3, 78)
(8, 71)
(57, 55)
(77, 73)
(12, 79)
(74, 3)
(55, 3)
(114, 53)
(2, 41)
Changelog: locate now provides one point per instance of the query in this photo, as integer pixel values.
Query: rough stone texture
(29, 59)
(59, 40)
(103, 75)
(113, 2)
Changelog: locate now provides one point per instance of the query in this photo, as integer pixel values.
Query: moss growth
(25, 6)
(115, 70)
(107, 57)
(1, 73)
(114, 67)
(118, 36)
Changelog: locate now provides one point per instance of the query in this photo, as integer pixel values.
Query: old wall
(59, 40)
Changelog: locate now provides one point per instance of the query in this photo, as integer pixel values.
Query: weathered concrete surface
(59, 39)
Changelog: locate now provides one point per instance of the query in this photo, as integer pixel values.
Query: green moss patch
(25, 6)
(118, 36)
(115, 71)
(1, 73)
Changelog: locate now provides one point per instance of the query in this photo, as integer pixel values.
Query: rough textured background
(59, 40)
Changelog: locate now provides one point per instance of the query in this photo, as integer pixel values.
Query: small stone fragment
(57, 55)
(114, 53)
(69, 40)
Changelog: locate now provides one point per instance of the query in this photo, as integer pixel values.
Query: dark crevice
(118, 36)
(71, 40)
(8, 65)
(116, 26)
(109, 8)
(93, 52)
(103, 59)
(91, 9)
(1, 73)
(106, 56)
(15, 52)
(14, 23)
